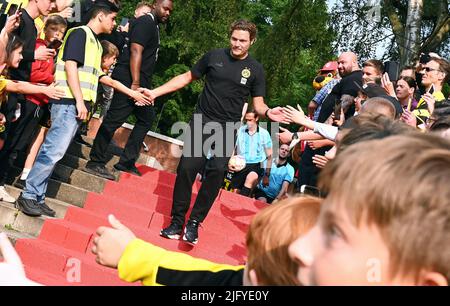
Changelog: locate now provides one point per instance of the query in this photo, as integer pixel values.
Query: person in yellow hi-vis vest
(78, 69)
(436, 73)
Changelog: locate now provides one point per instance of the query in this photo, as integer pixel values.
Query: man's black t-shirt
(228, 84)
(74, 49)
(28, 33)
(347, 86)
(145, 32)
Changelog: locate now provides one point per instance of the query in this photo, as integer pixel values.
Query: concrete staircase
(56, 251)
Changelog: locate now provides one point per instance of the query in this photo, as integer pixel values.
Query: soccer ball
(237, 163)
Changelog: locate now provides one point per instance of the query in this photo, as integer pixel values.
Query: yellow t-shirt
(3, 82)
(155, 266)
(421, 112)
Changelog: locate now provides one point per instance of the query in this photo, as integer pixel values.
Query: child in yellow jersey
(269, 235)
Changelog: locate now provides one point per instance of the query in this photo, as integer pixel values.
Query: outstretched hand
(141, 99)
(296, 115)
(285, 136)
(277, 115)
(111, 242)
(11, 269)
(149, 96)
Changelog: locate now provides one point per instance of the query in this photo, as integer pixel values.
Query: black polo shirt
(229, 83)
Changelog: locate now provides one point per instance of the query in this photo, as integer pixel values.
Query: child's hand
(141, 99)
(2, 119)
(111, 242)
(43, 53)
(53, 92)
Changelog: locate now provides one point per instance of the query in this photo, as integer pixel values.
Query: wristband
(267, 112)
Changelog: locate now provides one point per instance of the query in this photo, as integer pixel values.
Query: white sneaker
(5, 197)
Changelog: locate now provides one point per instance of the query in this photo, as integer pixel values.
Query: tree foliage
(367, 27)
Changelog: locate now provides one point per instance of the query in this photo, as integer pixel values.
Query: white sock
(25, 173)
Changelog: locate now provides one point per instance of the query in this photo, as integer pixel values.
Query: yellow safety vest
(88, 74)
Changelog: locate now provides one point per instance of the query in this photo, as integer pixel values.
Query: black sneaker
(46, 210)
(191, 232)
(99, 171)
(28, 207)
(173, 231)
(20, 184)
(78, 139)
(132, 169)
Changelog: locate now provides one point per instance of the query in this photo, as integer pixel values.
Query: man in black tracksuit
(134, 69)
(231, 76)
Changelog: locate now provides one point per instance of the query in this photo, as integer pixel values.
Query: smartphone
(13, 8)
(431, 90)
(337, 110)
(424, 58)
(55, 44)
(392, 69)
(310, 190)
(124, 22)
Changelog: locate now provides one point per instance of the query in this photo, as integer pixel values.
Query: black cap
(371, 90)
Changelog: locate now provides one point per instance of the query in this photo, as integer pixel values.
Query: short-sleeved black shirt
(75, 47)
(145, 32)
(347, 86)
(229, 82)
(28, 33)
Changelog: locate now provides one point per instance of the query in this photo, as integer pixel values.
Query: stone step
(14, 220)
(76, 162)
(14, 235)
(69, 193)
(58, 206)
(66, 193)
(78, 178)
(83, 151)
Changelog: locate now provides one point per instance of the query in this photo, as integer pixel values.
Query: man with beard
(352, 76)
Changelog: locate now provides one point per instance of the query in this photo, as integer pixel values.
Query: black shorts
(261, 194)
(238, 180)
(46, 117)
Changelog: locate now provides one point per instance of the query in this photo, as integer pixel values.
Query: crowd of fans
(375, 146)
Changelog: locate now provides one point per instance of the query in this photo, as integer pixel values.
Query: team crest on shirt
(246, 73)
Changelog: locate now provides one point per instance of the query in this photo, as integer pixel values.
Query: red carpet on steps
(61, 255)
